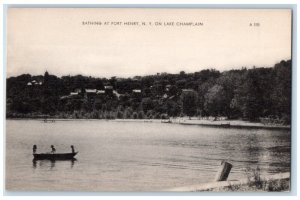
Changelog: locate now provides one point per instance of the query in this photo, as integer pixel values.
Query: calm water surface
(136, 156)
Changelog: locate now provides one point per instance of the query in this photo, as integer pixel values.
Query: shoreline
(209, 123)
(180, 121)
(234, 124)
(237, 185)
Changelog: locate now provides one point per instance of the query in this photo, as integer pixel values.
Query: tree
(202, 90)
(147, 104)
(52, 88)
(281, 94)
(173, 90)
(248, 97)
(189, 103)
(128, 113)
(229, 81)
(141, 115)
(135, 115)
(120, 115)
(173, 108)
(215, 100)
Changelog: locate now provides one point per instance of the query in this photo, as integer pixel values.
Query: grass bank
(256, 183)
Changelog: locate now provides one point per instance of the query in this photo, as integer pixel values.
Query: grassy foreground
(258, 183)
(282, 185)
(255, 182)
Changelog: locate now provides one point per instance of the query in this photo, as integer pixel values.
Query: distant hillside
(252, 94)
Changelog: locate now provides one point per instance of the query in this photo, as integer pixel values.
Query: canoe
(54, 156)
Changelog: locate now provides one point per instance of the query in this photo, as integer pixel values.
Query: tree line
(256, 94)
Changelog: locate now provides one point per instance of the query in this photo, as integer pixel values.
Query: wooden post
(223, 172)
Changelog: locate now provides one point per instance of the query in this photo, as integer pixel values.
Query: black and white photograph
(148, 100)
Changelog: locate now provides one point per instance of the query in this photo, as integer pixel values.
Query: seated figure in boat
(53, 150)
(34, 149)
(72, 147)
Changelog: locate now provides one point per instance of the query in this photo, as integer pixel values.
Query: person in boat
(72, 147)
(34, 149)
(53, 150)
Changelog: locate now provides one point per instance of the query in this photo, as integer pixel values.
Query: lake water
(136, 156)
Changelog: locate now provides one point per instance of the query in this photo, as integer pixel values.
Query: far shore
(206, 122)
(223, 123)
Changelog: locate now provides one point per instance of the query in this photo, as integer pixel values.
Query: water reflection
(252, 148)
(41, 163)
(73, 162)
(33, 163)
(52, 164)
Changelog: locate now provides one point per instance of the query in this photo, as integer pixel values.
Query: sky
(130, 42)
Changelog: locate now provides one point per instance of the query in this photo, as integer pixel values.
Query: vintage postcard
(148, 100)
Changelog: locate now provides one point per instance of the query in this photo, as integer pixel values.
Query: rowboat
(54, 156)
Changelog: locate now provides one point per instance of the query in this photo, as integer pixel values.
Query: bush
(164, 116)
(156, 116)
(135, 115)
(277, 185)
(141, 115)
(120, 115)
(150, 114)
(286, 119)
(127, 113)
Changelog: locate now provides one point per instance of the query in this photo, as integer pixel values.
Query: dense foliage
(252, 94)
